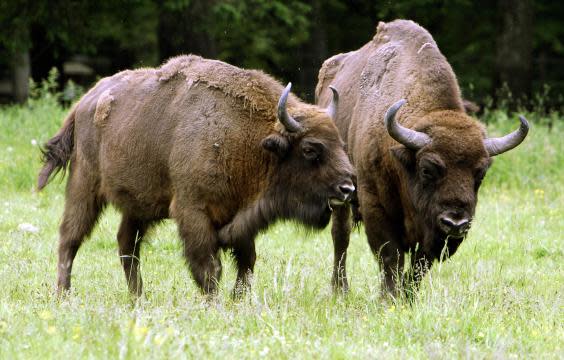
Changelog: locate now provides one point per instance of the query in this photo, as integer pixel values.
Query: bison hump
(257, 89)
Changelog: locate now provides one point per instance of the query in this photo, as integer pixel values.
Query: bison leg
(201, 248)
(130, 234)
(384, 240)
(392, 262)
(245, 256)
(82, 208)
(420, 264)
(340, 232)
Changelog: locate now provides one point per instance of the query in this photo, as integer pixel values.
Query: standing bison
(419, 157)
(223, 151)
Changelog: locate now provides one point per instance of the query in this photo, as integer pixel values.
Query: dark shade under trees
(515, 45)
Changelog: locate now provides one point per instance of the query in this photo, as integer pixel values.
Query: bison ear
(277, 144)
(405, 156)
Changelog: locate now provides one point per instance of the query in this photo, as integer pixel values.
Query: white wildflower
(28, 228)
(264, 351)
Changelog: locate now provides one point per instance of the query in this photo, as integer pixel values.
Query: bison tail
(56, 153)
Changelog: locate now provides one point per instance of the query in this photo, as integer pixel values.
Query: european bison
(419, 166)
(215, 147)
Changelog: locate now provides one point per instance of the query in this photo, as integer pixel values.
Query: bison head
(444, 162)
(312, 171)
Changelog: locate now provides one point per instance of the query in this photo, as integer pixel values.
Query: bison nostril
(455, 225)
(447, 221)
(346, 189)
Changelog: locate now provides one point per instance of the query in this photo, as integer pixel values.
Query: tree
(261, 34)
(70, 26)
(184, 27)
(515, 46)
(15, 18)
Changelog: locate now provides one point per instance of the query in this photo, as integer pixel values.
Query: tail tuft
(57, 152)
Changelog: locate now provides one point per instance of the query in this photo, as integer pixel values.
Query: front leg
(340, 232)
(384, 236)
(245, 257)
(201, 247)
(240, 235)
(420, 265)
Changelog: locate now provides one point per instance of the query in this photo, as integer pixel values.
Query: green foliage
(127, 29)
(288, 39)
(46, 90)
(81, 26)
(260, 34)
(500, 296)
(176, 5)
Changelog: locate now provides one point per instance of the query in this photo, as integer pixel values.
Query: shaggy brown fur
(404, 193)
(195, 140)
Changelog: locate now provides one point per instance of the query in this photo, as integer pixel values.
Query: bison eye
(310, 153)
(312, 150)
(431, 169)
(427, 174)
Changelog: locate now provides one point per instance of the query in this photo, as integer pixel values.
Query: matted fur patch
(103, 107)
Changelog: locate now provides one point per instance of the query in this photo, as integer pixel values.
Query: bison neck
(249, 221)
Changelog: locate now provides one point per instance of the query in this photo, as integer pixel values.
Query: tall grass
(500, 296)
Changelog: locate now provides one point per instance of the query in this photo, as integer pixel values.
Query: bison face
(312, 175)
(313, 172)
(442, 185)
(444, 162)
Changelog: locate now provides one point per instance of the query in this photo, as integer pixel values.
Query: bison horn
(496, 146)
(286, 119)
(412, 139)
(332, 108)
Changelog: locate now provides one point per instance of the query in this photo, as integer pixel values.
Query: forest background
(508, 51)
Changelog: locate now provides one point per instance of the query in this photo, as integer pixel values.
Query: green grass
(500, 296)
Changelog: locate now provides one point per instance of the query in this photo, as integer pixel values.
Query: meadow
(500, 296)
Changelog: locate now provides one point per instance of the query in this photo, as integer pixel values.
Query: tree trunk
(514, 46)
(21, 70)
(314, 52)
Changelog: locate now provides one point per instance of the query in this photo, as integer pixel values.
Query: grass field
(500, 296)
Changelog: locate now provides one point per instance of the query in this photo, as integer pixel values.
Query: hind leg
(130, 235)
(201, 247)
(82, 208)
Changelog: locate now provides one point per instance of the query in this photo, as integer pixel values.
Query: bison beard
(419, 157)
(223, 151)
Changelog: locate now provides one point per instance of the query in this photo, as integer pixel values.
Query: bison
(419, 157)
(223, 151)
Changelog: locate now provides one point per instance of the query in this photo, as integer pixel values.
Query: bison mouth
(453, 233)
(334, 202)
(315, 210)
(445, 246)
(338, 201)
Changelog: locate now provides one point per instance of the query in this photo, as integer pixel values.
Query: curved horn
(412, 139)
(288, 121)
(332, 108)
(496, 146)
